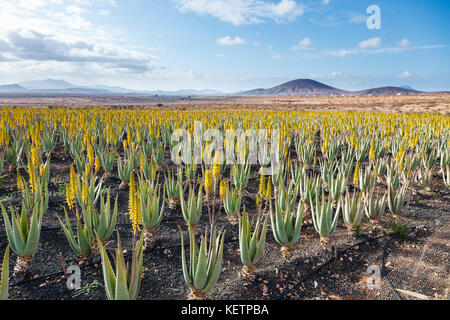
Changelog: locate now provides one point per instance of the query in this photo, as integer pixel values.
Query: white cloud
(241, 12)
(405, 75)
(304, 44)
(373, 43)
(404, 43)
(229, 41)
(325, 2)
(55, 35)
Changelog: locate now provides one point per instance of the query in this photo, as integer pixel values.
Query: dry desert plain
(421, 103)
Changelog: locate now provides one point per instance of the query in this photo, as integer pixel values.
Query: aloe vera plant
(124, 169)
(285, 230)
(172, 187)
(423, 179)
(158, 156)
(309, 187)
(152, 211)
(446, 176)
(366, 179)
(397, 200)
(232, 204)
(24, 230)
(287, 196)
(251, 245)
(305, 152)
(82, 243)
(124, 282)
(4, 277)
(192, 209)
(205, 263)
(88, 186)
(107, 160)
(375, 207)
(336, 186)
(352, 211)
(241, 175)
(100, 224)
(278, 177)
(13, 153)
(324, 219)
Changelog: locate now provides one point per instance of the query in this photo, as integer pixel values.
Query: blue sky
(228, 45)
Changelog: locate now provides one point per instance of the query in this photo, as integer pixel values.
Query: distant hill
(300, 87)
(62, 87)
(12, 88)
(49, 84)
(387, 91)
(308, 87)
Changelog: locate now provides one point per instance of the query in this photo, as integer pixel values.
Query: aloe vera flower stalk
(285, 231)
(24, 230)
(251, 245)
(4, 277)
(119, 283)
(205, 264)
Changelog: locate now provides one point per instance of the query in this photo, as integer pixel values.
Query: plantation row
(358, 166)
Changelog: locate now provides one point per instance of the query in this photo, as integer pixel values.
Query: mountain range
(308, 87)
(300, 87)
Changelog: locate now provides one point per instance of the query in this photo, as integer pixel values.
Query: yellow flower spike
(132, 205)
(356, 174)
(208, 181)
(73, 182)
(34, 157)
(69, 198)
(142, 162)
(125, 144)
(41, 170)
(262, 185)
(269, 190)
(97, 164)
(84, 192)
(223, 189)
(216, 171)
(87, 169)
(90, 153)
(32, 177)
(20, 184)
(372, 151)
